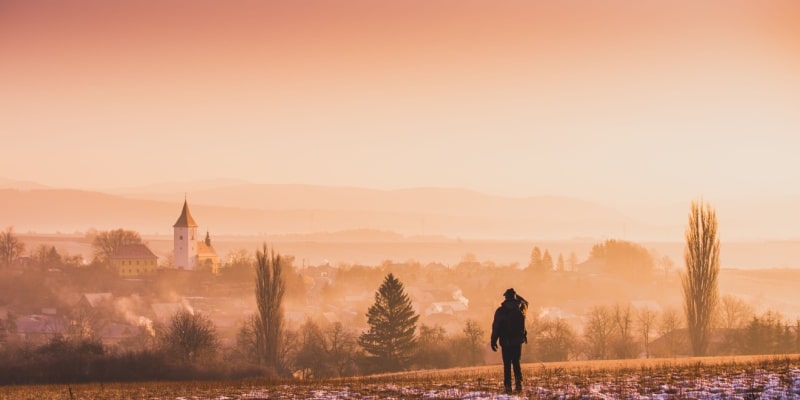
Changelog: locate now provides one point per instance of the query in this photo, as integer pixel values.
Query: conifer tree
(547, 261)
(392, 323)
(560, 263)
(535, 264)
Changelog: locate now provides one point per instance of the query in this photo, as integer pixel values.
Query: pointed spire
(185, 220)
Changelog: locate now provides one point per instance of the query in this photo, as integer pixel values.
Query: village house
(134, 260)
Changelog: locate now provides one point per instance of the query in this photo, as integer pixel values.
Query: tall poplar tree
(392, 323)
(699, 282)
(268, 323)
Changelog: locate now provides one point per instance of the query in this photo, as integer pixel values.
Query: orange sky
(620, 103)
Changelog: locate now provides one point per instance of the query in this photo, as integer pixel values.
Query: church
(190, 253)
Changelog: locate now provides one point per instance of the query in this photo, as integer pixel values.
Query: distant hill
(21, 185)
(247, 209)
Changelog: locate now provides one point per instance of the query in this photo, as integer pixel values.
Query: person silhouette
(508, 328)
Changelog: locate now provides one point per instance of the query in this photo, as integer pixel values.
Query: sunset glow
(629, 104)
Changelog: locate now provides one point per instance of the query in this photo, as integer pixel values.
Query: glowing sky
(621, 103)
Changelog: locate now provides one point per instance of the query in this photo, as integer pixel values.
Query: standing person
(509, 327)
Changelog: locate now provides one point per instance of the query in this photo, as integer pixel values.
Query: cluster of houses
(116, 323)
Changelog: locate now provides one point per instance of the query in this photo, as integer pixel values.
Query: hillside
(288, 209)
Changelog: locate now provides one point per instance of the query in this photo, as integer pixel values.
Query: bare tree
(431, 352)
(623, 323)
(311, 359)
(732, 316)
(700, 280)
(270, 287)
(555, 341)
(474, 335)
(598, 333)
(645, 321)
(733, 312)
(190, 336)
(342, 349)
(106, 243)
(10, 247)
(669, 329)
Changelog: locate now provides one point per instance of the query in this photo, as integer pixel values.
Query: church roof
(133, 252)
(206, 250)
(185, 220)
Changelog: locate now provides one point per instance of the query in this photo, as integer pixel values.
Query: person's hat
(510, 293)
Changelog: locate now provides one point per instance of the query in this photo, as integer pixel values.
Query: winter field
(775, 377)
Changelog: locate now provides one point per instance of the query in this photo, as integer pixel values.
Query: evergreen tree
(535, 263)
(547, 261)
(392, 323)
(560, 263)
(573, 261)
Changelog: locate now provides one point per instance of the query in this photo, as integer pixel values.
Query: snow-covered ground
(753, 384)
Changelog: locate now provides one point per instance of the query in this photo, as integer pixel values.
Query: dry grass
(542, 381)
(585, 368)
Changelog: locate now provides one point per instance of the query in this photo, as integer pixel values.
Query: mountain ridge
(293, 209)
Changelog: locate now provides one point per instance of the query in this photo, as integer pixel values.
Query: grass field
(766, 377)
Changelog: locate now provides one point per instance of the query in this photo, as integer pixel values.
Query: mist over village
(399, 199)
(590, 299)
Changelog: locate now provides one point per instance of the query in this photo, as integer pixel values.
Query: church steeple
(185, 220)
(185, 240)
(208, 239)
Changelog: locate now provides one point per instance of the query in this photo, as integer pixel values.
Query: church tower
(185, 240)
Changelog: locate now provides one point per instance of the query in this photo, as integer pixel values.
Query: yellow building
(134, 260)
(206, 255)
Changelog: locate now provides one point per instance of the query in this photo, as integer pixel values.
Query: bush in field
(321, 351)
(433, 350)
(309, 359)
(190, 337)
(768, 334)
(555, 341)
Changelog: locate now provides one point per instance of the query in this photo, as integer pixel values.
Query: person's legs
(508, 356)
(517, 353)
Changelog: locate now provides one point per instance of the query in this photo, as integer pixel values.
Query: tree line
(394, 340)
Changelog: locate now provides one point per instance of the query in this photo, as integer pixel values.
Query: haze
(632, 105)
